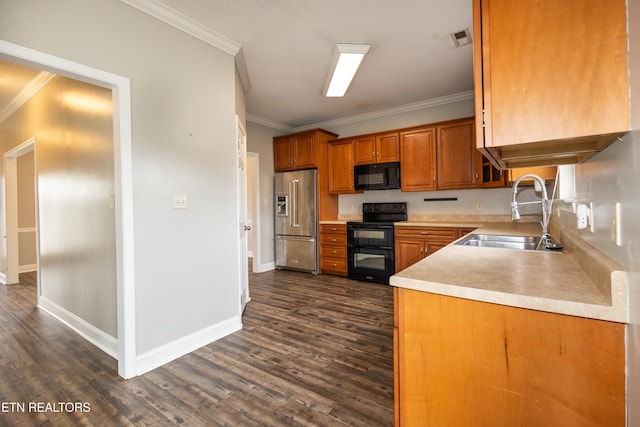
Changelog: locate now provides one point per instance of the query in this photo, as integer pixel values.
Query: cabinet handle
(477, 175)
(424, 233)
(334, 240)
(434, 178)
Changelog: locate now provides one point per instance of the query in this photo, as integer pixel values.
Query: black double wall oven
(370, 243)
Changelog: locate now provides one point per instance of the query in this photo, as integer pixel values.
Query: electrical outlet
(479, 206)
(179, 201)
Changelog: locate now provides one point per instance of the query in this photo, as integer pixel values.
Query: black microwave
(379, 176)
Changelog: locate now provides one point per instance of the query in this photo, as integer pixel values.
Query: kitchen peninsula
(514, 336)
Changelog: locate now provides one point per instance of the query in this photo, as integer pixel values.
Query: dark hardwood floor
(314, 351)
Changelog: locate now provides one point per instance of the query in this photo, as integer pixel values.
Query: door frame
(241, 167)
(123, 182)
(11, 210)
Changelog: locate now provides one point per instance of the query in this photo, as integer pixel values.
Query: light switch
(179, 201)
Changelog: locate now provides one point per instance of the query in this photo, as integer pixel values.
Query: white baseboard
(265, 267)
(95, 336)
(157, 357)
(27, 268)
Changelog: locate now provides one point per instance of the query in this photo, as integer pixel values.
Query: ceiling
(286, 48)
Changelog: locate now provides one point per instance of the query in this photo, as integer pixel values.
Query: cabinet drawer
(334, 265)
(333, 239)
(333, 228)
(441, 233)
(332, 251)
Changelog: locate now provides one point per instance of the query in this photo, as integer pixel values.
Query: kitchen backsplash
(495, 201)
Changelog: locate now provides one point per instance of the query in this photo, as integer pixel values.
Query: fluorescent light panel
(344, 68)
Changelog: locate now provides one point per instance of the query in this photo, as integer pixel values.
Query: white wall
(260, 141)
(183, 141)
(74, 148)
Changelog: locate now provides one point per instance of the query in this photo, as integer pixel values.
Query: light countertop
(579, 281)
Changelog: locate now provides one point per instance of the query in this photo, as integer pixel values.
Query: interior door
(243, 259)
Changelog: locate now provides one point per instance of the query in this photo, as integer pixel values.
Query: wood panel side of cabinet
(327, 203)
(464, 362)
(418, 159)
(456, 155)
(341, 162)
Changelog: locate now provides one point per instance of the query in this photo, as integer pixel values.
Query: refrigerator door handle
(293, 191)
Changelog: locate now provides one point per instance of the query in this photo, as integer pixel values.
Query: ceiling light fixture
(343, 68)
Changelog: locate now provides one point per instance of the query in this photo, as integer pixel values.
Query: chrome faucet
(515, 213)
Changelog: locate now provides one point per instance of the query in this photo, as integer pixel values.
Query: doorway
(123, 194)
(12, 210)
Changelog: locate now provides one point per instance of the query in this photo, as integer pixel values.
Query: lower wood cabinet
(414, 243)
(333, 249)
(467, 363)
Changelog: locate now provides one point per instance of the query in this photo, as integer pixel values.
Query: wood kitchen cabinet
(341, 162)
(456, 155)
(442, 156)
(461, 363)
(413, 243)
(376, 148)
(551, 79)
(489, 175)
(418, 159)
(333, 249)
(300, 150)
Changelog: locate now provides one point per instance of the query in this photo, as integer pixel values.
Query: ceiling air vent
(461, 38)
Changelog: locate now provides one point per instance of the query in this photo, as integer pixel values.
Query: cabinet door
(283, 153)
(341, 167)
(387, 148)
(305, 151)
(456, 156)
(364, 149)
(408, 252)
(551, 70)
(490, 176)
(418, 159)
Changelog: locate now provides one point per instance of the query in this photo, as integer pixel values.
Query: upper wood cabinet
(341, 162)
(456, 155)
(551, 78)
(376, 148)
(439, 157)
(299, 150)
(418, 159)
(489, 175)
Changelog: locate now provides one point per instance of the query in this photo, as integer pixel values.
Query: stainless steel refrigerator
(296, 224)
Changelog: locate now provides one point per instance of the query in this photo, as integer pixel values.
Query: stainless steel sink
(501, 241)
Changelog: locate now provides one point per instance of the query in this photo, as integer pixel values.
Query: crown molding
(429, 103)
(176, 19)
(421, 105)
(268, 123)
(25, 94)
